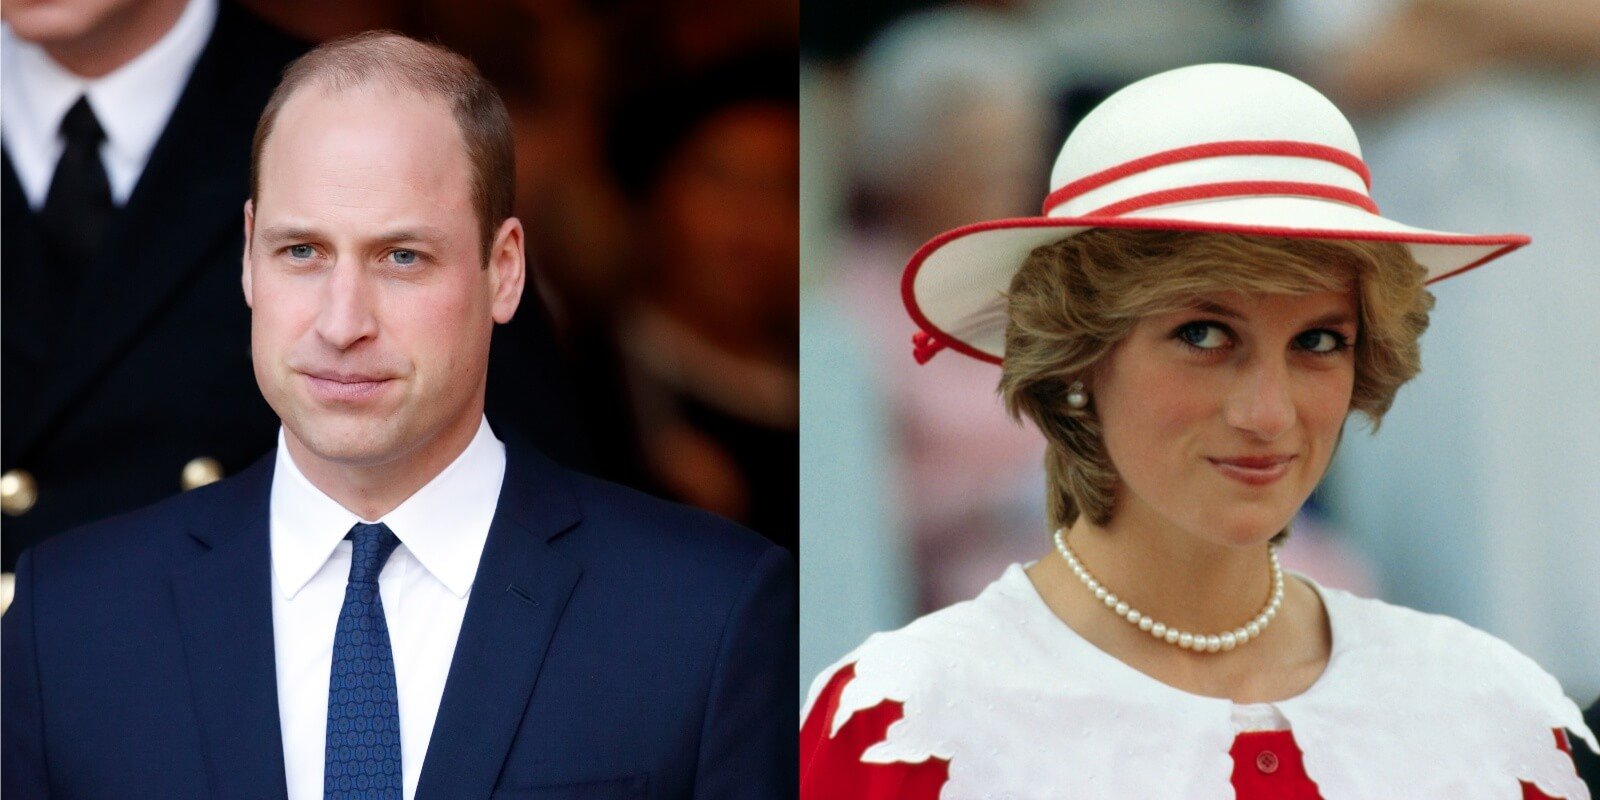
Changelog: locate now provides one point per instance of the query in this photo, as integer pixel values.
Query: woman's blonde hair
(1074, 300)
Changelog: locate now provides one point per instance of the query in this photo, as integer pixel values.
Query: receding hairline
(338, 73)
(427, 70)
(363, 62)
(334, 86)
(316, 86)
(380, 54)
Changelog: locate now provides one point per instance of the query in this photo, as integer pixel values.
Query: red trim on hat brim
(1508, 242)
(1212, 191)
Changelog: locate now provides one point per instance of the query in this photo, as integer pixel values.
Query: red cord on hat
(924, 345)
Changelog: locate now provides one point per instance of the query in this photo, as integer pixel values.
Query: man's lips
(342, 387)
(1253, 470)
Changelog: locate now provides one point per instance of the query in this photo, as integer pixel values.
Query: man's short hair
(431, 69)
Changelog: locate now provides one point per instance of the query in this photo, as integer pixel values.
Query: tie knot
(80, 126)
(372, 546)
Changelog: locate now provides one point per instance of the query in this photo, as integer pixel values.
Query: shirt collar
(132, 103)
(444, 524)
(39, 89)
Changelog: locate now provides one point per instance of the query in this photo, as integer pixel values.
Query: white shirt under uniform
(425, 586)
(132, 103)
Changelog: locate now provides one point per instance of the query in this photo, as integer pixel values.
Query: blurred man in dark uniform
(127, 373)
(1588, 763)
(709, 347)
(127, 148)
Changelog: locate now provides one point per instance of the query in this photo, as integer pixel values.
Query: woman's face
(1220, 419)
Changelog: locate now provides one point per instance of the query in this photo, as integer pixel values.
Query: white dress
(1017, 705)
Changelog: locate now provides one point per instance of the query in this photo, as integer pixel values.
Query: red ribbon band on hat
(1269, 147)
(1207, 191)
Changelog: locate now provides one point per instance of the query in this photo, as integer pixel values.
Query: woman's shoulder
(1458, 653)
(1406, 687)
(957, 650)
(900, 678)
(944, 650)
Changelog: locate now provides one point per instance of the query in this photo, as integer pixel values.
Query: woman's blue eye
(404, 258)
(1321, 342)
(301, 251)
(1203, 335)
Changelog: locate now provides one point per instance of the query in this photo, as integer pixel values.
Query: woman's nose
(1262, 403)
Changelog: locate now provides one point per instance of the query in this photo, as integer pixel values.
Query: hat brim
(954, 285)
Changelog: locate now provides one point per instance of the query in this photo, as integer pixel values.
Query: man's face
(56, 22)
(372, 310)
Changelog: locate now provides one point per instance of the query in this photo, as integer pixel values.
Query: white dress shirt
(424, 585)
(132, 103)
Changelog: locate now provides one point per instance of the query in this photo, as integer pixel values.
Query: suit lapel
(518, 596)
(224, 608)
(188, 203)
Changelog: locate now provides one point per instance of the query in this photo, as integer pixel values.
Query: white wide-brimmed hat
(1223, 148)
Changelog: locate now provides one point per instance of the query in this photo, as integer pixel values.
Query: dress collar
(1121, 678)
(444, 524)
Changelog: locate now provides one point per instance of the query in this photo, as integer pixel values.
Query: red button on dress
(1267, 762)
(1267, 766)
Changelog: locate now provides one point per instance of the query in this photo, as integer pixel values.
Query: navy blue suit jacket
(614, 646)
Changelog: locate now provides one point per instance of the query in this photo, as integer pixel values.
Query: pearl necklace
(1188, 641)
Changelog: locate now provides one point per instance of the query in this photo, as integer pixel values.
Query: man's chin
(348, 443)
(48, 27)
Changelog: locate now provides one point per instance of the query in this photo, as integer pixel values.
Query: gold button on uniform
(18, 492)
(201, 471)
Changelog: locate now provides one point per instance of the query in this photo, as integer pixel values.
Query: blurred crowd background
(1480, 497)
(657, 174)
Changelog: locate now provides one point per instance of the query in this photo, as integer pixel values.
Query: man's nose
(346, 314)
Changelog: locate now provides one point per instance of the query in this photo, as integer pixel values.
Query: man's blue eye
(302, 251)
(404, 258)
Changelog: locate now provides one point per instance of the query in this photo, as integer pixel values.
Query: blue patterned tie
(363, 747)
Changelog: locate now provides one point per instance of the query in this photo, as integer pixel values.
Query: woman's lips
(1253, 470)
(345, 388)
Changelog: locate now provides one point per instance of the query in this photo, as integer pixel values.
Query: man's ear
(244, 258)
(507, 270)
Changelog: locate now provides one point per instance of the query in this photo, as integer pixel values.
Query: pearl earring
(1077, 397)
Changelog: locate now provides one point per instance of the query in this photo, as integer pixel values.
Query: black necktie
(78, 210)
